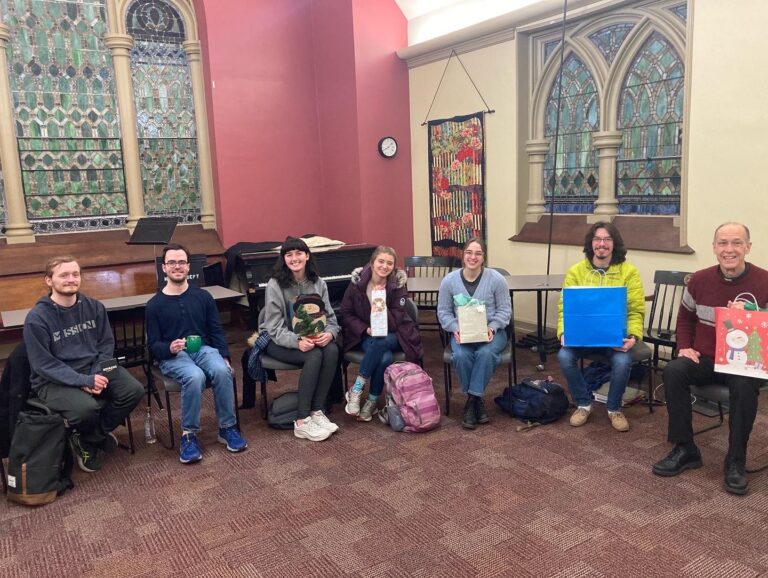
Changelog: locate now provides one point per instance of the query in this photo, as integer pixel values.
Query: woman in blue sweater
(475, 363)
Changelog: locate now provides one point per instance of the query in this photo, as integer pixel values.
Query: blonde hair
(383, 250)
(56, 261)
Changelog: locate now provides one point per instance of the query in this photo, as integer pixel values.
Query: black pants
(94, 415)
(319, 367)
(681, 373)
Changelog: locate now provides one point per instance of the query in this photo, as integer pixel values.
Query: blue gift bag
(594, 316)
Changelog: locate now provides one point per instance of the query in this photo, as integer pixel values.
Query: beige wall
(726, 154)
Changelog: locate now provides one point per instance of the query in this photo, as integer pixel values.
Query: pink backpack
(411, 390)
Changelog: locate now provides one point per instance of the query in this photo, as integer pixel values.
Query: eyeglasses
(602, 239)
(177, 263)
(473, 253)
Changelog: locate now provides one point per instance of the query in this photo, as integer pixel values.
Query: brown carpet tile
(553, 501)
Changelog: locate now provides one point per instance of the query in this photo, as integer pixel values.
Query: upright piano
(334, 265)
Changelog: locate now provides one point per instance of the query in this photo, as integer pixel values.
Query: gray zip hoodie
(65, 345)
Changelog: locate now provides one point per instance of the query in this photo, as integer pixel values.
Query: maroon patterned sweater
(706, 290)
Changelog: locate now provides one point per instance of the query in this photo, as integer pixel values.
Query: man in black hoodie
(68, 338)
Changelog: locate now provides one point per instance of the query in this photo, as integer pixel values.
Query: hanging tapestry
(456, 183)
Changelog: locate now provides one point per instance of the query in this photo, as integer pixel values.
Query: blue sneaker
(233, 439)
(189, 452)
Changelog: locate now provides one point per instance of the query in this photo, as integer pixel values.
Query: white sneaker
(353, 402)
(309, 430)
(322, 420)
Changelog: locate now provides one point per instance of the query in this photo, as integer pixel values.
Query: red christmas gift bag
(742, 342)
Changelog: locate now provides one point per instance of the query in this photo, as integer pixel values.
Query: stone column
(17, 227)
(207, 198)
(120, 46)
(537, 150)
(607, 144)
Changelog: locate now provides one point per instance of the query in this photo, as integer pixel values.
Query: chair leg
(2, 473)
(171, 436)
(717, 425)
(264, 404)
(237, 411)
(152, 388)
(447, 381)
(344, 367)
(131, 444)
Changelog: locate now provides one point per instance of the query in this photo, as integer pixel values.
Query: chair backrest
(667, 294)
(428, 267)
(129, 330)
(412, 310)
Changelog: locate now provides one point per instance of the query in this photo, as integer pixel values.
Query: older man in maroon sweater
(713, 287)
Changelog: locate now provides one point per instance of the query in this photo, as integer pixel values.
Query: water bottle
(149, 427)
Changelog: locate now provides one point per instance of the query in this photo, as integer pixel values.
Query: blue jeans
(621, 365)
(378, 356)
(192, 370)
(475, 362)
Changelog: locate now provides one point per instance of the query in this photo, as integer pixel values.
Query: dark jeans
(94, 416)
(681, 373)
(318, 368)
(378, 356)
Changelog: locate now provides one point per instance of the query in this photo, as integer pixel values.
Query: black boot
(470, 413)
(482, 413)
(735, 480)
(678, 460)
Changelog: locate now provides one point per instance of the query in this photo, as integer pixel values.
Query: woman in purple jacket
(402, 333)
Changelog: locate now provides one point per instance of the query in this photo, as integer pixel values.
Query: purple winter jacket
(356, 313)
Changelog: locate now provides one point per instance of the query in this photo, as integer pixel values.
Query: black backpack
(282, 412)
(534, 401)
(39, 461)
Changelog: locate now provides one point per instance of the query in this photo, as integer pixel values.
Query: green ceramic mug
(194, 343)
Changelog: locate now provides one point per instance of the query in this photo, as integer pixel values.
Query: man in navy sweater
(707, 289)
(175, 313)
(71, 351)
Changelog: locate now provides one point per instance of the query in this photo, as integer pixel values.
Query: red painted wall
(298, 94)
(383, 110)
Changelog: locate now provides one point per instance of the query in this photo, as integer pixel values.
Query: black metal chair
(428, 267)
(719, 394)
(507, 357)
(356, 355)
(662, 317)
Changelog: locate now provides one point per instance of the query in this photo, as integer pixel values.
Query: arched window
(64, 108)
(575, 184)
(650, 116)
(165, 111)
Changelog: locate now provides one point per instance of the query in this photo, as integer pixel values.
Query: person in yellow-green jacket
(605, 254)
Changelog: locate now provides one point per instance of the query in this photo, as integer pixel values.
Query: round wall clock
(388, 147)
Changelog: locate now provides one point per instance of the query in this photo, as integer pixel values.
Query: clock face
(388, 147)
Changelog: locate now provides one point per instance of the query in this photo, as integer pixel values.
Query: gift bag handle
(741, 297)
(600, 275)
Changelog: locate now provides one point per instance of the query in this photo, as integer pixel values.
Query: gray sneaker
(368, 411)
(353, 402)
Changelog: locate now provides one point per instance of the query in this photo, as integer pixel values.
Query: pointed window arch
(165, 111)
(575, 183)
(650, 116)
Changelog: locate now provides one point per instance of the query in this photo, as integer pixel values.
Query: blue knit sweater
(492, 290)
(172, 317)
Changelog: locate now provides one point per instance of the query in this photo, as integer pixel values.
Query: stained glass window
(650, 116)
(549, 48)
(609, 39)
(62, 86)
(164, 110)
(681, 11)
(575, 183)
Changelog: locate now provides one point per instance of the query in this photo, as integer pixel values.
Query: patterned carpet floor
(552, 501)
